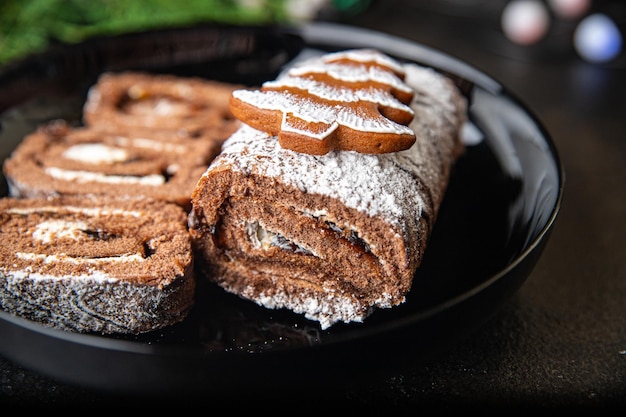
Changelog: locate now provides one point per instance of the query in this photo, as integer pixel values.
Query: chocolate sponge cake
(58, 159)
(91, 264)
(332, 236)
(163, 102)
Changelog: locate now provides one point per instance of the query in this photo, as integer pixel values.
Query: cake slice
(93, 264)
(58, 159)
(332, 234)
(161, 101)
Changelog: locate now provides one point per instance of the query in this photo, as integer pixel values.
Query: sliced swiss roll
(58, 159)
(161, 101)
(331, 236)
(91, 264)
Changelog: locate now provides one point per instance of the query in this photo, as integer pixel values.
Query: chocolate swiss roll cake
(335, 233)
(160, 101)
(91, 264)
(58, 159)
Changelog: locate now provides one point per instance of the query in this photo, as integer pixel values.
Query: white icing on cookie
(329, 115)
(365, 56)
(336, 93)
(351, 73)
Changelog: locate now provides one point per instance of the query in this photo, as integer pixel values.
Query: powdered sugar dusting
(374, 184)
(428, 82)
(90, 277)
(378, 185)
(333, 307)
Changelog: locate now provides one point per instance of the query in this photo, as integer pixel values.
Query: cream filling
(52, 230)
(264, 239)
(152, 144)
(58, 258)
(154, 180)
(162, 106)
(96, 153)
(94, 212)
(347, 231)
(91, 276)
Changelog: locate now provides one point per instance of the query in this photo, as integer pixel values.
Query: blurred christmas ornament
(569, 9)
(597, 38)
(525, 22)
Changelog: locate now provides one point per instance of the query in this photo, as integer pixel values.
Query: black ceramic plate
(502, 201)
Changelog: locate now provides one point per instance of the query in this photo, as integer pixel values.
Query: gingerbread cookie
(352, 100)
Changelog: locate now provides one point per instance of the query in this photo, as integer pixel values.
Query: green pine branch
(28, 26)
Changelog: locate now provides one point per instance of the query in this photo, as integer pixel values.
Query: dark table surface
(560, 342)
